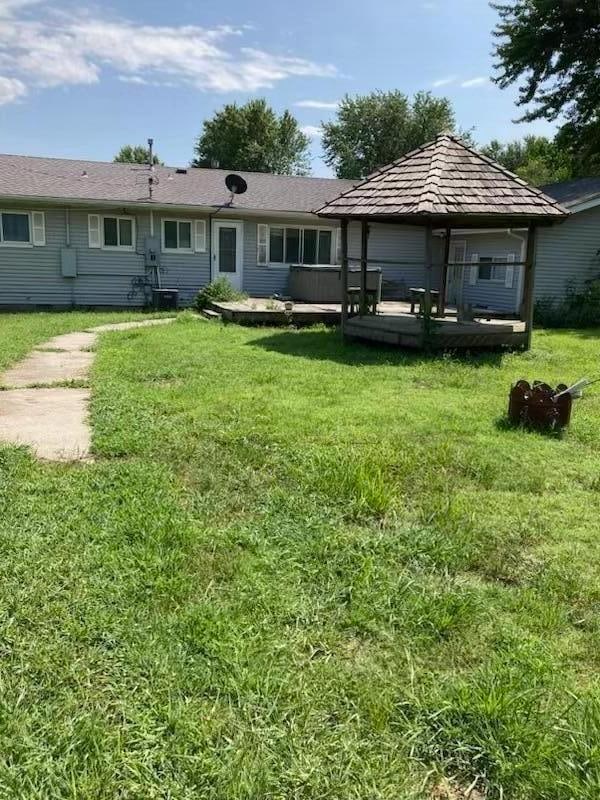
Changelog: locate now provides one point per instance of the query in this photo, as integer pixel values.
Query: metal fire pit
(539, 405)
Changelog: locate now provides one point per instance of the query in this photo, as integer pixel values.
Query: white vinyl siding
(567, 254)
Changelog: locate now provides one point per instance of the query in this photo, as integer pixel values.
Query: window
(298, 246)
(15, 228)
(489, 271)
(117, 232)
(292, 245)
(22, 228)
(276, 245)
(177, 234)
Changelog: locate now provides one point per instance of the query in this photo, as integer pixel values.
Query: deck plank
(393, 324)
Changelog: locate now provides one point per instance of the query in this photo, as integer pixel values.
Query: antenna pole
(150, 166)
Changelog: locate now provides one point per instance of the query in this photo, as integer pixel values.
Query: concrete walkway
(52, 419)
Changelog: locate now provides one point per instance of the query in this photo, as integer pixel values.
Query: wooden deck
(258, 311)
(406, 330)
(393, 324)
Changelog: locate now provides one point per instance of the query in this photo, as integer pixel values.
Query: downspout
(519, 237)
(68, 244)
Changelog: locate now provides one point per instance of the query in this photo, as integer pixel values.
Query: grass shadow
(326, 344)
(503, 423)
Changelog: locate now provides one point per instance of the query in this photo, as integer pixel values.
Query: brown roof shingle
(63, 179)
(444, 178)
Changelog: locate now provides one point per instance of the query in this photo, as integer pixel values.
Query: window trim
(178, 220)
(287, 264)
(28, 214)
(129, 248)
(502, 260)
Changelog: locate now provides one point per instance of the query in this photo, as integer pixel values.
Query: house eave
(470, 221)
(584, 205)
(151, 205)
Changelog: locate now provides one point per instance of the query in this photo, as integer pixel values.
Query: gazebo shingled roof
(443, 182)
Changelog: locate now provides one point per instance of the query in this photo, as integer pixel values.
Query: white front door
(456, 271)
(227, 250)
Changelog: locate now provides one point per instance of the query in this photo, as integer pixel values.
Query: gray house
(567, 254)
(83, 233)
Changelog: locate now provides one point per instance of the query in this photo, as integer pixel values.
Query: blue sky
(80, 79)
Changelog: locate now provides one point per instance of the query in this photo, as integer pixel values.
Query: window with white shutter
(474, 268)
(200, 236)
(262, 245)
(38, 220)
(338, 246)
(509, 275)
(94, 239)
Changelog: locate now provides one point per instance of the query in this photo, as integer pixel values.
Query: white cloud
(8, 8)
(137, 79)
(57, 49)
(445, 81)
(473, 82)
(11, 89)
(314, 131)
(317, 104)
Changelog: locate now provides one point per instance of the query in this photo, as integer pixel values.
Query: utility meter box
(151, 252)
(68, 262)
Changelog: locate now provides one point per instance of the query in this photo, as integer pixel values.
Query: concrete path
(53, 420)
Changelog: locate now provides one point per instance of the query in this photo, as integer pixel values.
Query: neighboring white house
(84, 233)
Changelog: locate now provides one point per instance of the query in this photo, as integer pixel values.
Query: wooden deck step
(208, 313)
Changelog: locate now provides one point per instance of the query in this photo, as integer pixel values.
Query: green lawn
(299, 569)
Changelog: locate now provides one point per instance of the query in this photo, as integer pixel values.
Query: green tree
(582, 142)
(550, 49)
(135, 154)
(254, 138)
(375, 129)
(536, 159)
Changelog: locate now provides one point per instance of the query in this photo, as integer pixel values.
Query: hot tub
(323, 283)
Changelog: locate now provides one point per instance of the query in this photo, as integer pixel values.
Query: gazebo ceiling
(445, 182)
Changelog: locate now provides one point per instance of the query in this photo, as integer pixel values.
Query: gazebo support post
(364, 243)
(444, 281)
(528, 284)
(344, 298)
(426, 309)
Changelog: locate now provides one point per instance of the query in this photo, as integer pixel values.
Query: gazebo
(443, 185)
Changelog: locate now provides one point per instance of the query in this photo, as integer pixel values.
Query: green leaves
(536, 159)
(375, 129)
(135, 154)
(253, 138)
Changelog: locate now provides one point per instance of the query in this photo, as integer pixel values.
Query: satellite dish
(236, 184)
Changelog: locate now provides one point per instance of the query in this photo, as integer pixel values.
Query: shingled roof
(62, 180)
(444, 181)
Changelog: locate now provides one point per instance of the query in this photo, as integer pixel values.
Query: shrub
(219, 290)
(578, 309)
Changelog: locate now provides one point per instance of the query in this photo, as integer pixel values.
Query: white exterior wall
(567, 253)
